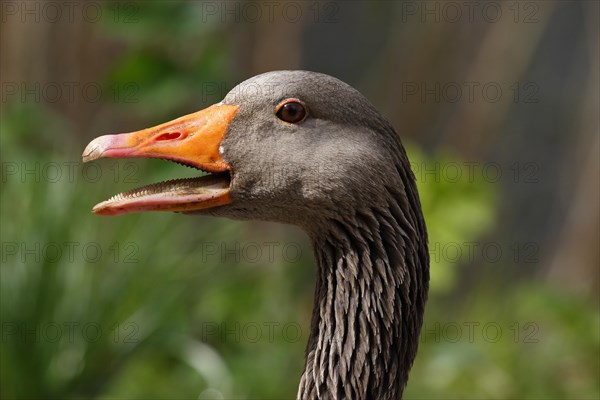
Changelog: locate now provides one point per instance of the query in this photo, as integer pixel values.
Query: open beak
(193, 140)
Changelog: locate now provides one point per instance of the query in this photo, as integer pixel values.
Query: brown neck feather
(369, 302)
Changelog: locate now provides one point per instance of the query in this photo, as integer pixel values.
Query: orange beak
(194, 140)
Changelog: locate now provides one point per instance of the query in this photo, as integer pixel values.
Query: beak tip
(90, 153)
(97, 147)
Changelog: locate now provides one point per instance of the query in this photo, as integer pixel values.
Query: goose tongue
(192, 140)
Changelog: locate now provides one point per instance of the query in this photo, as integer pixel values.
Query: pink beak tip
(98, 147)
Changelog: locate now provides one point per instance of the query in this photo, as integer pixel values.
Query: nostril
(169, 136)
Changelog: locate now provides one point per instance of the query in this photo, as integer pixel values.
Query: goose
(305, 148)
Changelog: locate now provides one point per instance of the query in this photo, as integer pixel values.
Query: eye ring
(292, 111)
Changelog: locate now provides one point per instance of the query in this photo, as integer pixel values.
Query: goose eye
(292, 111)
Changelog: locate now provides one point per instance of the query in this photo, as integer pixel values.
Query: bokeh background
(496, 102)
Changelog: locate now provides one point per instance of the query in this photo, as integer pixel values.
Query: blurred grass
(162, 317)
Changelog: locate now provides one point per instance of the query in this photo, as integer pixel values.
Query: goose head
(285, 146)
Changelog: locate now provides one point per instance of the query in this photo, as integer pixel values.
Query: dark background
(496, 102)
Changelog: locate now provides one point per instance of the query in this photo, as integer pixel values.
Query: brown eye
(292, 111)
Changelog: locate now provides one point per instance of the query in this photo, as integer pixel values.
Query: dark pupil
(292, 112)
